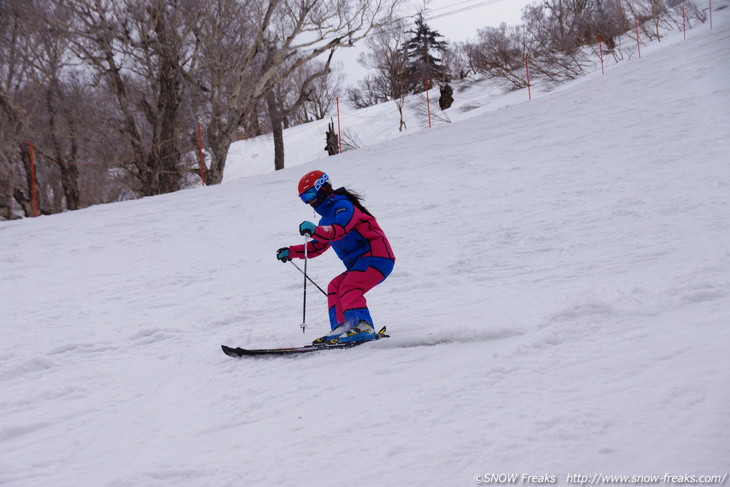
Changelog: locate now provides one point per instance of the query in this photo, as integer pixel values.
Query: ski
(247, 352)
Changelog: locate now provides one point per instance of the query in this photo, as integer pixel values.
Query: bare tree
(309, 93)
(323, 92)
(56, 109)
(657, 16)
(369, 91)
(240, 72)
(499, 53)
(290, 95)
(457, 61)
(138, 50)
(553, 37)
(56, 128)
(17, 106)
(388, 61)
(11, 126)
(609, 22)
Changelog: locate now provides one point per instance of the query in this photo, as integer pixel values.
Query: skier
(358, 241)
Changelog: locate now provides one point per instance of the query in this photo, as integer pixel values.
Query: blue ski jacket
(350, 232)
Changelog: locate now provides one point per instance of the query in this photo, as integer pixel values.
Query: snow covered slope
(559, 306)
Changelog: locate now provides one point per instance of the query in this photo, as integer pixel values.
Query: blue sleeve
(339, 222)
(344, 211)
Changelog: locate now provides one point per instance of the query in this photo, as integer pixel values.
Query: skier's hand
(307, 228)
(283, 254)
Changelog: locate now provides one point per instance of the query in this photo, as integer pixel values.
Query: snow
(559, 305)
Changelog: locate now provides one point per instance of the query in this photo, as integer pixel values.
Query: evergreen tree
(422, 63)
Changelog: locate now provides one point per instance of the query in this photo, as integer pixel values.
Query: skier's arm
(346, 217)
(314, 248)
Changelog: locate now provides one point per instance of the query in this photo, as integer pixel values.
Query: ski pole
(308, 278)
(304, 306)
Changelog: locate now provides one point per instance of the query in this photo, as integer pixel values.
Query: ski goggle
(309, 195)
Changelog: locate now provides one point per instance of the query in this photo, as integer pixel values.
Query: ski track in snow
(559, 304)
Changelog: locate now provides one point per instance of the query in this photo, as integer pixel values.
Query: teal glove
(307, 228)
(283, 254)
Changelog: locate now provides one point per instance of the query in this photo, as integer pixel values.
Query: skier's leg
(333, 301)
(337, 318)
(359, 280)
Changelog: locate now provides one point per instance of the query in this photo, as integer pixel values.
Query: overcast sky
(456, 20)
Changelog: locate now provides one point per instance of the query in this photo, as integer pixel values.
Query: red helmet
(314, 179)
(314, 188)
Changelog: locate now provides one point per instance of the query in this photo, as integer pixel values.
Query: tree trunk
(6, 191)
(69, 171)
(399, 103)
(25, 200)
(168, 108)
(69, 181)
(218, 144)
(277, 129)
(12, 133)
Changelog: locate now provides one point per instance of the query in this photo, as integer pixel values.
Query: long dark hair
(355, 198)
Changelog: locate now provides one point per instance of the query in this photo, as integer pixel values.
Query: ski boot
(361, 332)
(331, 336)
